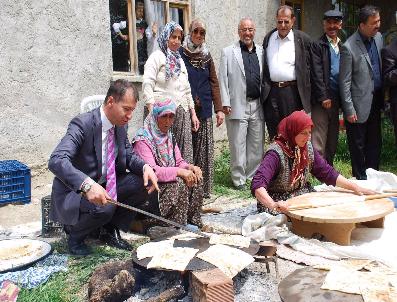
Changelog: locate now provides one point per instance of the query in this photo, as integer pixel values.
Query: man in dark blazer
(325, 86)
(360, 84)
(286, 70)
(81, 167)
(389, 67)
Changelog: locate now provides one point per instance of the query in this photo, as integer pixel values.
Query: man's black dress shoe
(78, 249)
(112, 237)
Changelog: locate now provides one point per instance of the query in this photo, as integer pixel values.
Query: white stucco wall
(53, 53)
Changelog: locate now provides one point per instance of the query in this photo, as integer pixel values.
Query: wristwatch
(86, 186)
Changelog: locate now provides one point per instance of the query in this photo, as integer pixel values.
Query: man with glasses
(360, 81)
(239, 79)
(286, 70)
(325, 86)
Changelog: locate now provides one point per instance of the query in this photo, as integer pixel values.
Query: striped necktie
(110, 165)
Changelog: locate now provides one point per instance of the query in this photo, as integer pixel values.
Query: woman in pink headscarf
(288, 161)
(180, 183)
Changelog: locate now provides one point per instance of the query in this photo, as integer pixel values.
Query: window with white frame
(134, 26)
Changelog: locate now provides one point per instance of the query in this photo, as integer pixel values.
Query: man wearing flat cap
(325, 86)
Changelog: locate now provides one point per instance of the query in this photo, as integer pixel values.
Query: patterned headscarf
(172, 62)
(288, 129)
(189, 45)
(160, 143)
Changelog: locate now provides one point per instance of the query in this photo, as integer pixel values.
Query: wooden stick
(379, 196)
(366, 197)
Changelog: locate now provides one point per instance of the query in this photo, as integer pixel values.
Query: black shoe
(78, 248)
(112, 237)
(240, 187)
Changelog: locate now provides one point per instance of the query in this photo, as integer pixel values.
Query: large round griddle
(196, 264)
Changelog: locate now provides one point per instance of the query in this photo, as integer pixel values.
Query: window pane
(155, 18)
(176, 14)
(119, 34)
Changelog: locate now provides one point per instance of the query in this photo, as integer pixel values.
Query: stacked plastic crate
(15, 182)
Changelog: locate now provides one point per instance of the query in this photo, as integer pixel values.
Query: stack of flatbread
(377, 283)
(164, 255)
(228, 259)
(235, 240)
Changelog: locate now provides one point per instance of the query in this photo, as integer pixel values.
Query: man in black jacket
(286, 78)
(389, 61)
(325, 87)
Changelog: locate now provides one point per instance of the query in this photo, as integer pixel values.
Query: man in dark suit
(360, 84)
(90, 166)
(286, 70)
(389, 66)
(325, 86)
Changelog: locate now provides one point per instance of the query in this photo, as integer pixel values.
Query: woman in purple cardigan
(180, 183)
(285, 168)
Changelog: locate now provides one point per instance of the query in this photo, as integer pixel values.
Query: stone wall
(53, 53)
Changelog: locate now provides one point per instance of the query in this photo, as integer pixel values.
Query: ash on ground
(253, 284)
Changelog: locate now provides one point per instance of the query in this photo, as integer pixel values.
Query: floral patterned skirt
(179, 203)
(203, 153)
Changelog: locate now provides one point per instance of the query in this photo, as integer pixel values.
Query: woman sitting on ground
(284, 170)
(181, 192)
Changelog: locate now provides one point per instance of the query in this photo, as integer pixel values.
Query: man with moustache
(286, 70)
(360, 82)
(239, 81)
(325, 86)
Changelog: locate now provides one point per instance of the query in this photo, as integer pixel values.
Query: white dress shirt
(106, 125)
(335, 46)
(281, 57)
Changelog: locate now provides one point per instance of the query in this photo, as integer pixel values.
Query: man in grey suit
(360, 82)
(286, 70)
(82, 164)
(239, 79)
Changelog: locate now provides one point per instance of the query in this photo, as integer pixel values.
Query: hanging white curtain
(154, 13)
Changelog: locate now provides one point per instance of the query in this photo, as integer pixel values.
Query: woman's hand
(197, 171)
(282, 206)
(361, 191)
(149, 107)
(195, 121)
(220, 117)
(188, 176)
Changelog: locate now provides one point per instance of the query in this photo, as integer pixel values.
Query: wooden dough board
(336, 222)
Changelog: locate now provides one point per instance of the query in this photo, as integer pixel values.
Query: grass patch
(71, 286)
(223, 184)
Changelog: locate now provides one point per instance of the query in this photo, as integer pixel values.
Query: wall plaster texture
(55, 53)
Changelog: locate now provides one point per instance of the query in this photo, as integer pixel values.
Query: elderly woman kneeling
(181, 192)
(287, 164)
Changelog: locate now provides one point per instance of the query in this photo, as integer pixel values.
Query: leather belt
(283, 84)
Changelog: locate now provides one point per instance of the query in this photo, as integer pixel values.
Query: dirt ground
(15, 214)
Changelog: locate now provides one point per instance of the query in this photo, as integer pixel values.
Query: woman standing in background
(205, 92)
(166, 76)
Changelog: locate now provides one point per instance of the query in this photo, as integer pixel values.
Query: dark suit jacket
(389, 62)
(302, 68)
(78, 155)
(321, 70)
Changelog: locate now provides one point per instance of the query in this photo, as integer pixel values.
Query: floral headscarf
(172, 63)
(160, 143)
(288, 129)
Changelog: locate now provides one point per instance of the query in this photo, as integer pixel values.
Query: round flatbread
(16, 253)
